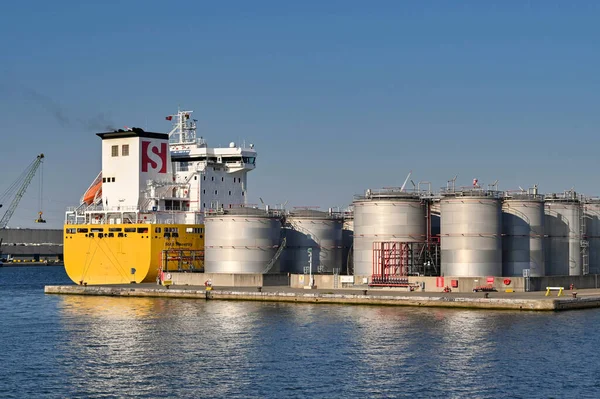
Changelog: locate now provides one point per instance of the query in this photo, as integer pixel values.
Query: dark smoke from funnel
(99, 122)
(48, 104)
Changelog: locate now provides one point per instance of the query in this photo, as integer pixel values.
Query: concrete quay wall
(452, 301)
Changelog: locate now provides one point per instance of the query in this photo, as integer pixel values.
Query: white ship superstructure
(164, 178)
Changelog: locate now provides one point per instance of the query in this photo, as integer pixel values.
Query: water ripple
(94, 347)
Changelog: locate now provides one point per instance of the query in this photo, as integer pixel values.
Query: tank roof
(567, 196)
(523, 197)
(314, 214)
(258, 212)
(387, 194)
(471, 192)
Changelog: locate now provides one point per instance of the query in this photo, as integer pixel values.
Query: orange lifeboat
(94, 191)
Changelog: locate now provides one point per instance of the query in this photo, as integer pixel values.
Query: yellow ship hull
(125, 253)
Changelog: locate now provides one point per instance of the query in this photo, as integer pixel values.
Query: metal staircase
(272, 262)
(583, 242)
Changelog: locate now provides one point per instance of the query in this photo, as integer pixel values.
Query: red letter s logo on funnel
(154, 157)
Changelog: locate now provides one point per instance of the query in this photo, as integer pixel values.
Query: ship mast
(184, 128)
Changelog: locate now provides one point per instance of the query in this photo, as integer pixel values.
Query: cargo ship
(144, 212)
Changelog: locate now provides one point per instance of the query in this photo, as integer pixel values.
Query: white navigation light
(232, 145)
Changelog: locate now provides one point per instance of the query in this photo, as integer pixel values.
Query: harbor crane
(17, 190)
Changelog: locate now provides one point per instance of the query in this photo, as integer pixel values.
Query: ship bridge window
(182, 166)
(142, 230)
(250, 160)
(172, 205)
(129, 229)
(82, 230)
(232, 159)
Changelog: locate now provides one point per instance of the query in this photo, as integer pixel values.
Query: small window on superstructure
(125, 150)
(222, 179)
(213, 178)
(113, 179)
(115, 151)
(230, 205)
(195, 177)
(230, 194)
(204, 205)
(104, 180)
(216, 192)
(204, 191)
(242, 193)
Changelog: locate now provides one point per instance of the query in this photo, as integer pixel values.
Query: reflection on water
(96, 347)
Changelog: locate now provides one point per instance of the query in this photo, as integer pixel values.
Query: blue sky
(337, 96)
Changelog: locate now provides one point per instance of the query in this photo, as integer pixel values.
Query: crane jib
(22, 183)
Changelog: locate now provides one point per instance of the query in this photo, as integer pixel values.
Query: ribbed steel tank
(347, 242)
(241, 240)
(592, 230)
(563, 231)
(471, 227)
(317, 230)
(387, 215)
(523, 235)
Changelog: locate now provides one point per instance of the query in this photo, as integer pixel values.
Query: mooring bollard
(364, 292)
(259, 289)
(486, 295)
(574, 294)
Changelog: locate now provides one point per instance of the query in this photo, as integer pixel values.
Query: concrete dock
(536, 301)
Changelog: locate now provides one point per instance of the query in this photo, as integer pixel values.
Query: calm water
(87, 347)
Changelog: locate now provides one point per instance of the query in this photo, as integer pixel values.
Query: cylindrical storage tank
(563, 231)
(385, 216)
(319, 231)
(347, 242)
(471, 241)
(592, 231)
(240, 241)
(523, 235)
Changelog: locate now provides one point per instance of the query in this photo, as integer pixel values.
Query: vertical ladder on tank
(583, 242)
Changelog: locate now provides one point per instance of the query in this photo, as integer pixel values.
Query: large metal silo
(563, 234)
(241, 240)
(386, 215)
(319, 231)
(471, 227)
(347, 242)
(592, 230)
(523, 235)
